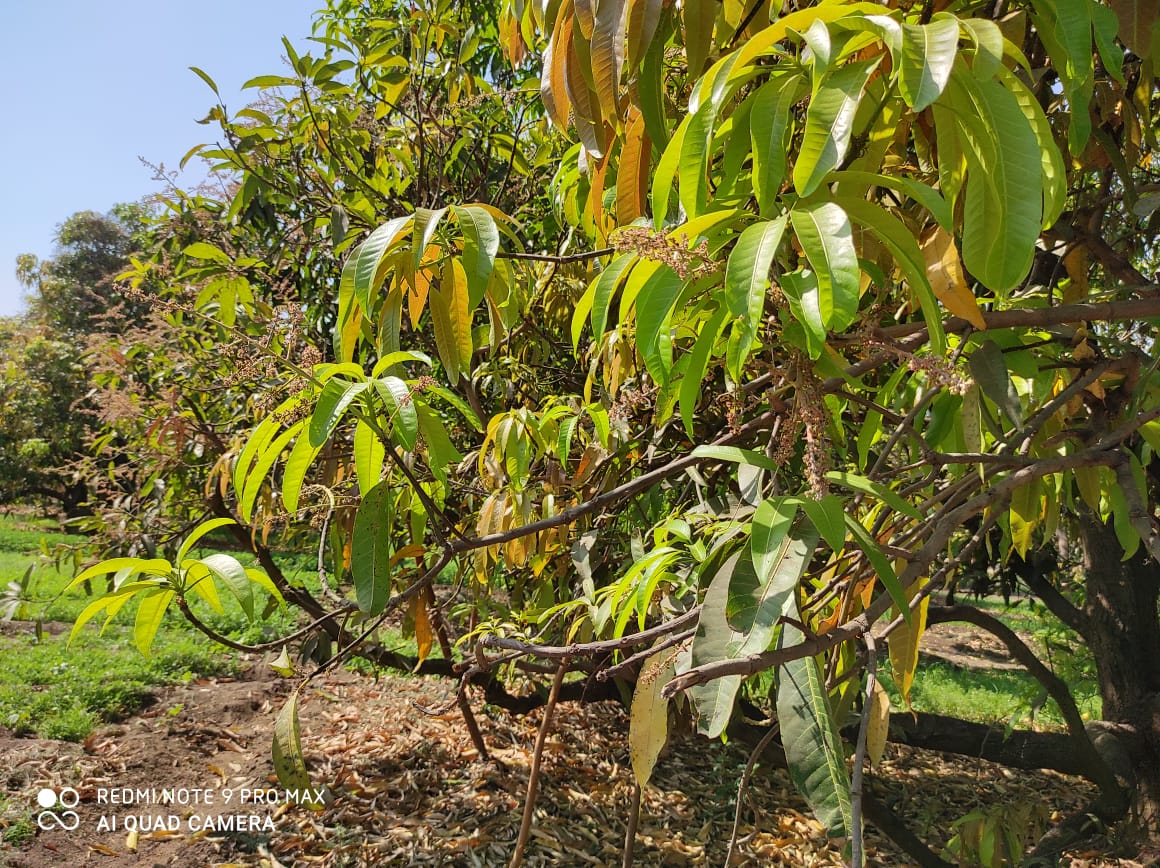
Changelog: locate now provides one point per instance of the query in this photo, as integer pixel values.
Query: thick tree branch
(1109, 311)
(1099, 771)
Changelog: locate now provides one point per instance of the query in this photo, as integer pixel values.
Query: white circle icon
(46, 798)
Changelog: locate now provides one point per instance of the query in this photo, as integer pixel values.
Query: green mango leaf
(369, 455)
(768, 128)
(746, 283)
(654, 307)
(809, 734)
(198, 532)
(1004, 191)
(904, 248)
(830, 124)
(989, 370)
(604, 287)
(881, 566)
(480, 246)
(854, 482)
(738, 617)
(772, 521)
(828, 241)
(233, 574)
(691, 383)
(151, 566)
(369, 255)
(333, 402)
(150, 613)
(801, 291)
(928, 55)
(370, 551)
(400, 404)
(829, 518)
(423, 228)
(252, 484)
(294, 472)
(736, 455)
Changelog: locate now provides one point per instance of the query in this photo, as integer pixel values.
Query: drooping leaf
(1004, 191)
(809, 734)
(480, 246)
(370, 555)
(772, 521)
(989, 370)
(746, 284)
(879, 727)
(648, 722)
(738, 616)
(286, 752)
(369, 454)
(772, 107)
(691, 384)
(830, 124)
(654, 305)
(904, 641)
(880, 563)
(826, 237)
(945, 273)
(150, 612)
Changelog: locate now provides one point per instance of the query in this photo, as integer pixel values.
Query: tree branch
(1098, 769)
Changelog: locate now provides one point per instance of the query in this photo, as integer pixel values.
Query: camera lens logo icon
(49, 799)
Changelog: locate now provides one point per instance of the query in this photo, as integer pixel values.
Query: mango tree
(827, 300)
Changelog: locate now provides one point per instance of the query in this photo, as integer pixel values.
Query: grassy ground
(47, 683)
(47, 688)
(1008, 696)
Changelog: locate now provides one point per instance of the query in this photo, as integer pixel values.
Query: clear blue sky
(88, 87)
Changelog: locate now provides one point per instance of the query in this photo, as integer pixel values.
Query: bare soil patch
(409, 788)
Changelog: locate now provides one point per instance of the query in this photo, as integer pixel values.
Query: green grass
(56, 689)
(1008, 696)
(983, 695)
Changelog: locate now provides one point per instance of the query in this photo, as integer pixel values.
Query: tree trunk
(1122, 628)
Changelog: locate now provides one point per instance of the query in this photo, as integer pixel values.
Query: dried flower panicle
(687, 262)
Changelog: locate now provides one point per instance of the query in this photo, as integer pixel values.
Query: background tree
(73, 302)
(822, 295)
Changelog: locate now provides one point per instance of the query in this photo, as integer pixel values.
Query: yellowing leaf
(1076, 262)
(632, 176)
(553, 87)
(945, 273)
(879, 726)
(422, 629)
(648, 724)
(903, 643)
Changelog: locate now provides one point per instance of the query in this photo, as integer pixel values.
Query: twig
(556, 260)
(744, 783)
(857, 852)
(592, 649)
(534, 775)
(629, 662)
(213, 634)
(633, 821)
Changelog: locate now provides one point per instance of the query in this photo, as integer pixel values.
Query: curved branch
(1098, 770)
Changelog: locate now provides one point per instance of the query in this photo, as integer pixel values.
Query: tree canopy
(696, 345)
